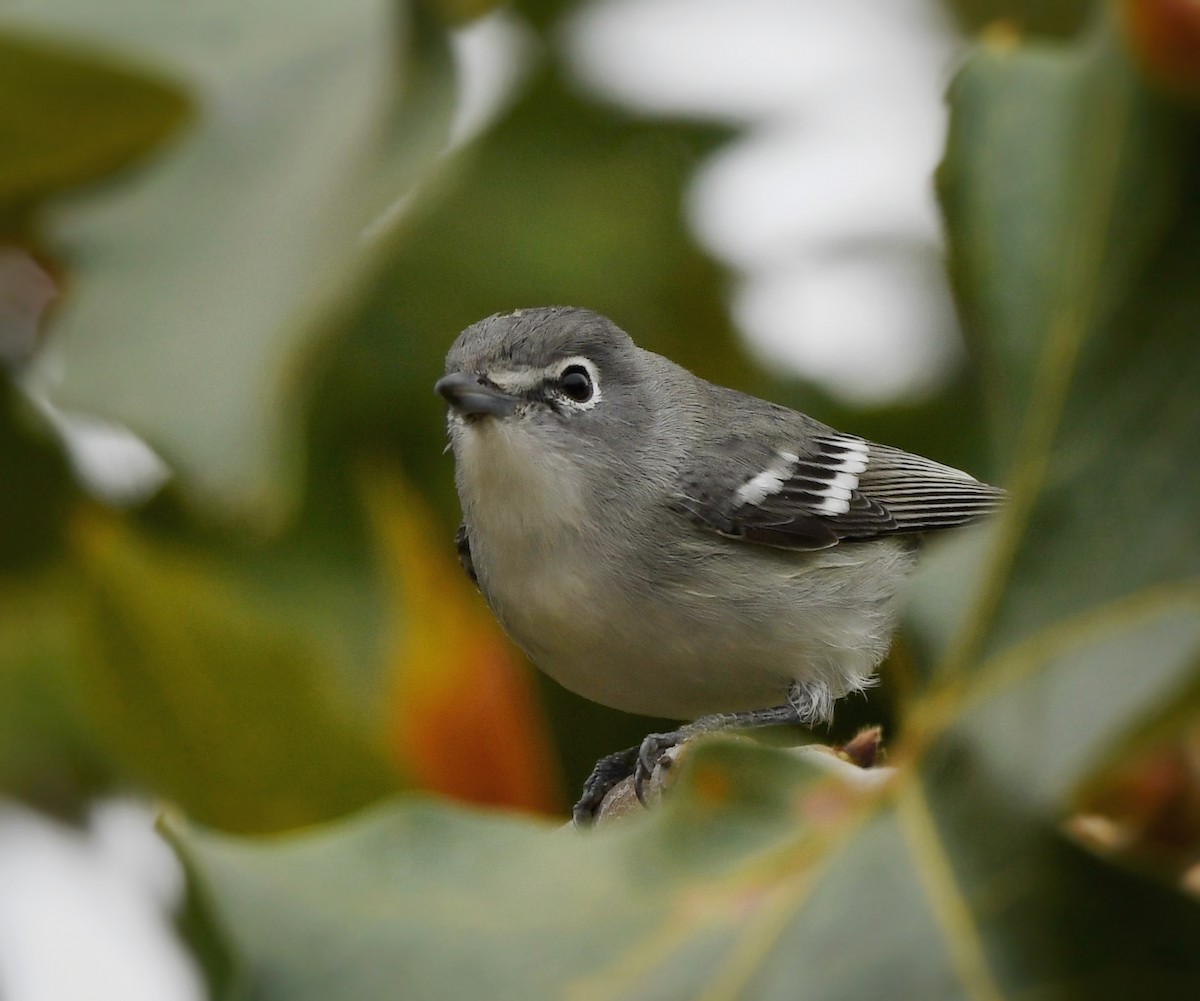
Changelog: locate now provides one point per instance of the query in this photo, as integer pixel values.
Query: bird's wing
(462, 543)
(832, 488)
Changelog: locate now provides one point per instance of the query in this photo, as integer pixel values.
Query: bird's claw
(650, 756)
(608, 772)
(640, 762)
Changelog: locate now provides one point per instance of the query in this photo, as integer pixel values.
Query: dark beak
(471, 396)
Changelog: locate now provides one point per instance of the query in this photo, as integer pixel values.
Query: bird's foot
(609, 771)
(638, 762)
(653, 752)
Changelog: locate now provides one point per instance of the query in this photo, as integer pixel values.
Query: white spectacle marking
(523, 380)
(518, 380)
(593, 374)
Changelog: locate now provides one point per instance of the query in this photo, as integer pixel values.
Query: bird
(670, 547)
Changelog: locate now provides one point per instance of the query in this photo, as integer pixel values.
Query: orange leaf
(464, 719)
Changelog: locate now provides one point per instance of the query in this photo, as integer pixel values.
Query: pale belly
(715, 640)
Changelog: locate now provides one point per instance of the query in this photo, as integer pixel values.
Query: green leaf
(1074, 239)
(458, 12)
(46, 754)
(199, 284)
(406, 884)
(66, 118)
(728, 891)
(195, 691)
(1050, 17)
(1059, 180)
(1046, 711)
(37, 491)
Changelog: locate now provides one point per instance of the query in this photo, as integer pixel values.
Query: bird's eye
(576, 383)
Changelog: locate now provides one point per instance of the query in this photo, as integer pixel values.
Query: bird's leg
(806, 705)
(655, 745)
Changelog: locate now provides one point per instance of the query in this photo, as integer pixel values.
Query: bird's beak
(470, 396)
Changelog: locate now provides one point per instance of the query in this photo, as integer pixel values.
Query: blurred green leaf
(1045, 711)
(1118, 511)
(46, 754)
(729, 891)
(195, 691)
(1075, 246)
(66, 118)
(408, 886)
(323, 575)
(1058, 183)
(312, 119)
(1040, 17)
(459, 12)
(37, 486)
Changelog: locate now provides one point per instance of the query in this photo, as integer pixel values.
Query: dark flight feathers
(836, 488)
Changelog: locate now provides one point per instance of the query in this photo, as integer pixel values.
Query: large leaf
(239, 240)
(1058, 180)
(412, 880)
(1074, 241)
(66, 119)
(1045, 711)
(732, 890)
(1052, 17)
(43, 748)
(194, 690)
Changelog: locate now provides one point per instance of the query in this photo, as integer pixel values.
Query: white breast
(513, 489)
(527, 519)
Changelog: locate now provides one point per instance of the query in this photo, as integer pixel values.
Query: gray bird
(666, 546)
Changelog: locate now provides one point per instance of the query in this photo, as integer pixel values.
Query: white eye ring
(574, 371)
(576, 382)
